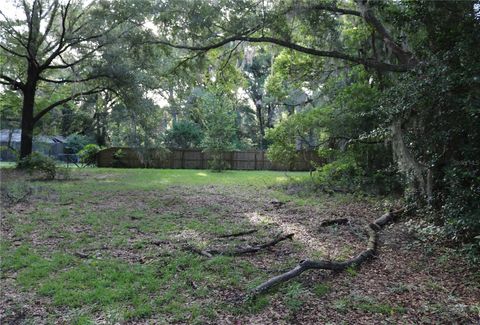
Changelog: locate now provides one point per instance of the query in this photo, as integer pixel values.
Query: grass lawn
(113, 245)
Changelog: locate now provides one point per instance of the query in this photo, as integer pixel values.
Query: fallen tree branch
(239, 251)
(81, 254)
(238, 234)
(305, 265)
(198, 251)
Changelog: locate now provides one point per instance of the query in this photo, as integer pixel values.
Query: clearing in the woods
(155, 246)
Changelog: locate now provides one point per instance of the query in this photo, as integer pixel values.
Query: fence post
(172, 159)
(255, 157)
(183, 159)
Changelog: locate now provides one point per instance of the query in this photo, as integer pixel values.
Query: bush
(343, 172)
(183, 135)
(76, 142)
(220, 130)
(461, 209)
(40, 163)
(218, 164)
(88, 155)
(9, 151)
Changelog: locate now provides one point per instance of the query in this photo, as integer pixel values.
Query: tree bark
(28, 122)
(261, 123)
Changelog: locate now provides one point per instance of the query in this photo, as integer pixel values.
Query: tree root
(305, 265)
(239, 251)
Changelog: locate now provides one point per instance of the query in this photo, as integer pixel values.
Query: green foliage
(88, 155)
(10, 103)
(9, 151)
(461, 209)
(219, 129)
(293, 297)
(367, 304)
(37, 162)
(342, 172)
(295, 130)
(438, 105)
(282, 149)
(76, 142)
(321, 289)
(184, 134)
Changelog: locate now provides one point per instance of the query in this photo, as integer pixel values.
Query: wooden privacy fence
(197, 159)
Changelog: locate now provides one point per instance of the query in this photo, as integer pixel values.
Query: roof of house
(16, 135)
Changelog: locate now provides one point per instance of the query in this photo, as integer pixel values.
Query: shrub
(218, 164)
(76, 142)
(9, 151)
(183, 135)
(220, 130)
(40, 163)
(342, 172)
(88, 155)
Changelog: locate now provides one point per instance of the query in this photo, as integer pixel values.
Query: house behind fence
(197, 159)
(52, 146)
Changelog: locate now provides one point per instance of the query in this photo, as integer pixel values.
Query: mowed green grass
(84, 245)
(155, 178)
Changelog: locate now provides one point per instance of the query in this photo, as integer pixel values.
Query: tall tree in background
(257, 68)
(421, 55)
(53, 44)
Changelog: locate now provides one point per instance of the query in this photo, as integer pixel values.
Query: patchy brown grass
(409, 281)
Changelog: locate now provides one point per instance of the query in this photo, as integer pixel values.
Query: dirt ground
(411, 281)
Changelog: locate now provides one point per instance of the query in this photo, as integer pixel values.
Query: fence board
(196, 159)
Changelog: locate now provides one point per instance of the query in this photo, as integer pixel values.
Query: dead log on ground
(305, 265)
(198, 251)
(81, 255)
(238, 234)
(241, 250)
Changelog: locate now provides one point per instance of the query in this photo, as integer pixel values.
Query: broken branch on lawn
(305, 265)
(241, 250)
(238, 234)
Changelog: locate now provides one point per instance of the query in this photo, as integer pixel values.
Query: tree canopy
(387, 92)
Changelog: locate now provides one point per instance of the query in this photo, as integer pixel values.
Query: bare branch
(71, 64)
(6, 49)
(12, 31)
(61, 40)
(53, 9)
(66, 100)
(64, 81)
(333, 9)
(266, 39)
(11, 81)
(403, 56)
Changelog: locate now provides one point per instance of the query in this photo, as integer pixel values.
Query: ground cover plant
(118, 245)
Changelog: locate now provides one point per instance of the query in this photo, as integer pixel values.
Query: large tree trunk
(28, 122)
(261, 124)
